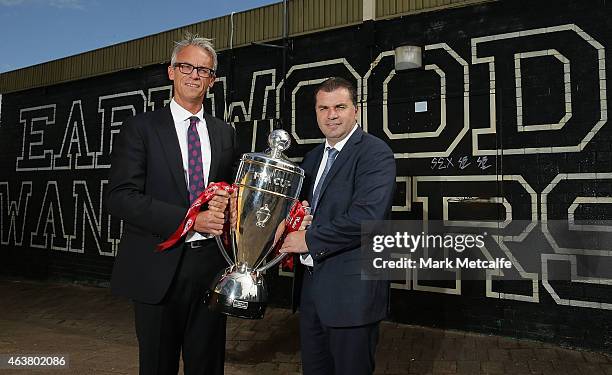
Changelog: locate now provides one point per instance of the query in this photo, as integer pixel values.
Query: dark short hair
(335, 83)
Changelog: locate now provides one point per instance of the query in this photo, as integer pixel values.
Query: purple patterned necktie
(195, 166)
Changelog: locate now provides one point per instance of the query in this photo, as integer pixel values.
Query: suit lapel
(214, 134)
(169, 140)
(341, 159)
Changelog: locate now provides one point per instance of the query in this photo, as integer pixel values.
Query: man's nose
(332, 113)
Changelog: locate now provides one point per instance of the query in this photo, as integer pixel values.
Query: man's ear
(171, 72)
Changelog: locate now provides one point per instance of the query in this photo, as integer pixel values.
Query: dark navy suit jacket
(147, 190)
(358, 187)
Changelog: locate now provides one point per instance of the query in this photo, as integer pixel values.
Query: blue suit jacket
(358, 187)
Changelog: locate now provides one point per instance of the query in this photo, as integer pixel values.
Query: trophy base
(239, 294)
(234, 307)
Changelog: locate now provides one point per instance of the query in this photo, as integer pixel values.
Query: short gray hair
(197, 41)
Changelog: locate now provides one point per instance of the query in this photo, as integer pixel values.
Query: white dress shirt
(181, 124)
(306, 259)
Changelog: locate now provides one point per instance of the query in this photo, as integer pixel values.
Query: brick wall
(516, 120)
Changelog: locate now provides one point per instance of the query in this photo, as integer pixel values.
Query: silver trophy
(268, 185)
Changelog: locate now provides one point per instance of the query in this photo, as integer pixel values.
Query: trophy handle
(279, 256)
(223, 251)
(227, 237)
(272, 263)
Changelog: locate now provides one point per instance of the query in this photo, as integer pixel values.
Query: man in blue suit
(349, 179)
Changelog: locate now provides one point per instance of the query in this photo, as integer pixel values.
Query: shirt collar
(338, 146)
(181, 114)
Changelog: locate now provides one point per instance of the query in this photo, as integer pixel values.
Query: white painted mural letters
(113, 110)
(50, 229)
(13, 213)
(586, 52)
(74, 143)
(34, 155)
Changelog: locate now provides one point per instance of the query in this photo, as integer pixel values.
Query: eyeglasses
(203, 71)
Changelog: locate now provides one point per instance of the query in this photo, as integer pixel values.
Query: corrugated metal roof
(394, 8)
(255, 25)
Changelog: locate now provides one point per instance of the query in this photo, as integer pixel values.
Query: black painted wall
(516, 120)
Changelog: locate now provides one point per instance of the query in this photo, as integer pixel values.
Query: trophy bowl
(268, 184)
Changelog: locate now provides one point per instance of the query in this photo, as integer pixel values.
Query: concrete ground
(95, 331)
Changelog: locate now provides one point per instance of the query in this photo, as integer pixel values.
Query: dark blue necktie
(331, 157)
(195, 169)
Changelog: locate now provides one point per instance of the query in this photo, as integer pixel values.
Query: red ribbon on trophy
(293, 222)
(193, 211)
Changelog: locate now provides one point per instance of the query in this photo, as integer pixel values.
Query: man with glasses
(161, 162)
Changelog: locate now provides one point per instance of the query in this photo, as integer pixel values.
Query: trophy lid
(279, 140)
